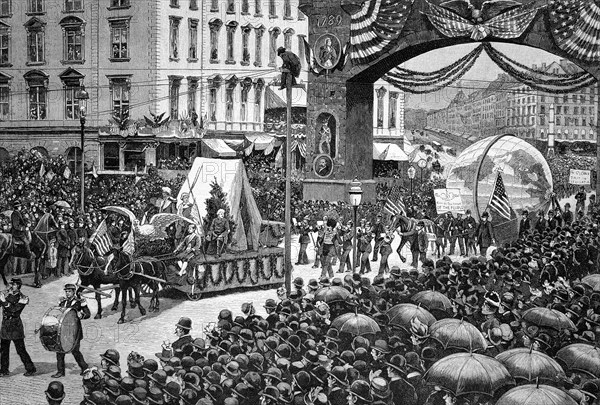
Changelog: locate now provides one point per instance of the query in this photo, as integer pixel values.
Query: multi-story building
(388, 114)
(506, 106)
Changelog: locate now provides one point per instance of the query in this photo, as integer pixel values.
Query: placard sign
(580, 177)
(448, 199)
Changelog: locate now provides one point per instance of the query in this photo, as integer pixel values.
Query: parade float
(522, 170)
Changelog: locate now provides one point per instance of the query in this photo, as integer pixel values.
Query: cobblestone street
(141, 334)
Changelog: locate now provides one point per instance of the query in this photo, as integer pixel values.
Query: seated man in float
(219, 230)
(188, 248)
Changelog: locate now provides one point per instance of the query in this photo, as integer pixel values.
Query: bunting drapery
(375, 27)
(575, 27)
(428, 82)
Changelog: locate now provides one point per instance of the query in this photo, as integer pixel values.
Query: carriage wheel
(194, 296)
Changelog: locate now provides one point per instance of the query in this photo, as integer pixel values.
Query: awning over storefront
(388, 151)
(275, 98)
(216, 148)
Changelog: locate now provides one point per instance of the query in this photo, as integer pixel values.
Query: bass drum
(60, 329)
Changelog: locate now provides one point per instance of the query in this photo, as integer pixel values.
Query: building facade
(388, 113)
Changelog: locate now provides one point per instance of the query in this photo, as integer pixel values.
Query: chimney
(534, 67)
(544, 66)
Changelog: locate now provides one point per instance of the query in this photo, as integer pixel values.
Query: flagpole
(288, 190)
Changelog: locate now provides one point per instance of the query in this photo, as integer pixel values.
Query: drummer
(73, 300)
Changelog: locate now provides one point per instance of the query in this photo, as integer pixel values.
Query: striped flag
(129, 244)
(101, 240)
(67, 172)
(394, 204)
(499, 199)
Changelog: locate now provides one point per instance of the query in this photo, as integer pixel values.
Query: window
(35, 41)
(274, 34)
(119, 91)
(4, 97)
(258, 100)
(214, 5)
(558, 121)
(257, 8)
(246, 44)
(119, 29)
(37, 89)
(575, 110)
(287, 38)
(111, 156)
(174, 3)
(558, 109)
(174, 86)
(192, 94)
(119, 3)
(4, 45)
(259, 31)
(73, 5)
(193, 4)
(215, 27)
(301, 49)
(287, 9)
(230, 6)
(231, 27)
(272, 9)
(71, 80)
(174, 38)
(35, 6)
(193, 49)
(584, 122)
(214, 84)
(5, 8)
(74, 159)
(246, 86)
(73, 33)
(393, 108)
(229, 103)
(380, 96)
(565, 99)
(245, 6)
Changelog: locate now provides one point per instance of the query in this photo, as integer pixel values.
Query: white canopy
(218, 148)
(388, 151)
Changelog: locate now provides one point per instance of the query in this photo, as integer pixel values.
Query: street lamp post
(422, 164)
(355, 194)
(82, 96)
(411, 175)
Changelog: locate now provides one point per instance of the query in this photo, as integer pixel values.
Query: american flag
(575, 27)
(129, 244)
(509, 24)
(394, 204)
(101, 240)
(499, 199)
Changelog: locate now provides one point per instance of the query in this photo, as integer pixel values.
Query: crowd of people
(561, 165)
(353, 339)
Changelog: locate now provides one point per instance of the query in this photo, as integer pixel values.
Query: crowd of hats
(295, 354)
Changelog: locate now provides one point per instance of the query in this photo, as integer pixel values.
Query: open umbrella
(62, 204)
(457, 334)
(593, 281)
(581, 357)
(531, 394)
(530, 365)
(432, 300)
(402, 314)
(7, 213)
(469, 373)
(548, 318)
(355, 324)
(332, 294)
(46, 224)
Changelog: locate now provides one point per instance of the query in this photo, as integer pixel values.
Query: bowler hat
(55, 391)
(184, 323)
(361, 390)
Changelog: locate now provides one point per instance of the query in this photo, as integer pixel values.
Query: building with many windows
(506, 106)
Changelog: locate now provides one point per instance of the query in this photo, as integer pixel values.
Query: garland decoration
(262, 272)
(273, 264)
(201, 280)
(278, 274)
(245, 272)
(427, 82)
(259, 270)
(234, 270)
(210, 275)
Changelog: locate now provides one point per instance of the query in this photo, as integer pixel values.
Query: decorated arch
(376, 36)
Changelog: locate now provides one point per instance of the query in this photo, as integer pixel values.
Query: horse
(405, 224)
(91, 273)
(8, 249)
(132, 273)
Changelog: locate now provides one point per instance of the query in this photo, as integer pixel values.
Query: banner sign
(448, 199)
(580, 177)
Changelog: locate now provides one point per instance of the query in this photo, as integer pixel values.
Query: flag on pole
(499, 199)
(42, 170)
(394, 204)
(129, 244)
(94, 170)
(101, 239)
(67, 172)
